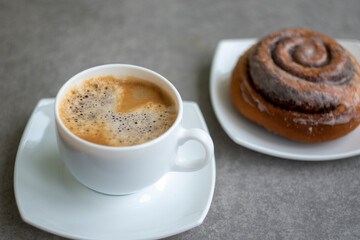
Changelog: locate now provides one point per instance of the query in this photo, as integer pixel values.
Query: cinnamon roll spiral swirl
(300, 84)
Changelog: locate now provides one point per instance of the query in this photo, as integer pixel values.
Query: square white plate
(255, 137)
(50, 198)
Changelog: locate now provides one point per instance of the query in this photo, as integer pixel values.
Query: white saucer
(255, 137)
(49, 198)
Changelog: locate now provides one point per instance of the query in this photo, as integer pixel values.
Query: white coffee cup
(124, 170)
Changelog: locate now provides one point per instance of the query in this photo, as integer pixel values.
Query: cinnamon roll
(300, 84)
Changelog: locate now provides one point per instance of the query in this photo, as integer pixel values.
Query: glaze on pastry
(300, 84)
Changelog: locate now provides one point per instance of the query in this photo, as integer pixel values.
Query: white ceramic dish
(50, 198)
(255, 137)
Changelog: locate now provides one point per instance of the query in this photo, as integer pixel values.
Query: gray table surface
(43, 43)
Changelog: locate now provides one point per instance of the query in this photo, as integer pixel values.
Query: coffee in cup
(117, 111)
(128, 168)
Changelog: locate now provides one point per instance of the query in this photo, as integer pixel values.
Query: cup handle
(204, 139)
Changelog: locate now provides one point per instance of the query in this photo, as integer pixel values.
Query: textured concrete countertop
(44, 43)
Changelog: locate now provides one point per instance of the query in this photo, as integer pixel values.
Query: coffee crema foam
(117, 111)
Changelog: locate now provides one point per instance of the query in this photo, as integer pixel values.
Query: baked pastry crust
(317, 101)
